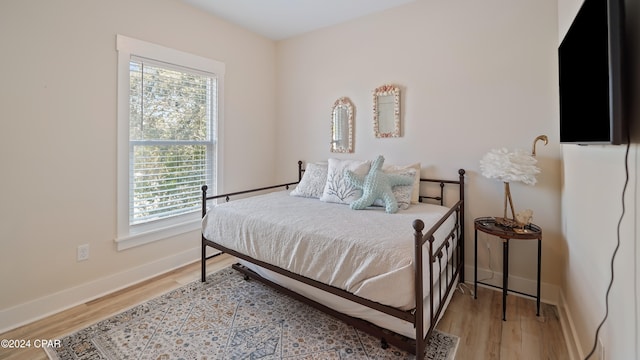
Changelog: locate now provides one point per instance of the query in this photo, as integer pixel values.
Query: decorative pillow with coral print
(338, 189)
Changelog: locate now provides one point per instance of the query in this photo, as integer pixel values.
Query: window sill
(131, 240)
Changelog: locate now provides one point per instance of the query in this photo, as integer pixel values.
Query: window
(167, 139)
(170, 139)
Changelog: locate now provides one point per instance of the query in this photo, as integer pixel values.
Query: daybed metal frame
(453, 269)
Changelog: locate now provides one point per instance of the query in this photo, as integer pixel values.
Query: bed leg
(203, 262)
(384, 344)
(420, 348)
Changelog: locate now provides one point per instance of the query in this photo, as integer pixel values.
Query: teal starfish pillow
(377, 185)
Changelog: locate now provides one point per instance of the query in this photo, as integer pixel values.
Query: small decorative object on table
(508, 166)
(523, 218)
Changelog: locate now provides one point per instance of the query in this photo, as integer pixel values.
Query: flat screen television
(591, 75)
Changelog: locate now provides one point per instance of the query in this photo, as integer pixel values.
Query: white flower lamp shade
(508, 166)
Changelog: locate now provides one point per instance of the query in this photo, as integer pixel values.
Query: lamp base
(510, 223)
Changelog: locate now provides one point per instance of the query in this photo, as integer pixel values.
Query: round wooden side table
(488, 225)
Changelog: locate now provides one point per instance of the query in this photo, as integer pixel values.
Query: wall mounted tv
(591, 74)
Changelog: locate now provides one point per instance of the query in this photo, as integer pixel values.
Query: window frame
(127, 235)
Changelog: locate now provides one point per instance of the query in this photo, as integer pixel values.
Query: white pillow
(415, 193)
(313, 181)
(338, 189)
(402, 193)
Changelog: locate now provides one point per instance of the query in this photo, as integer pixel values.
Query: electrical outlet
(83, 252)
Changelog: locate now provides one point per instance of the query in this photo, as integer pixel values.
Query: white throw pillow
(415, 193)
(402, 193)
(338, 189)
(313, 181)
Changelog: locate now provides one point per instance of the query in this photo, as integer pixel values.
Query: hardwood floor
(483, 335)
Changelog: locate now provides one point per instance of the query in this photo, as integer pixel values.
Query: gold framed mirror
(386, 111)
(342, 126)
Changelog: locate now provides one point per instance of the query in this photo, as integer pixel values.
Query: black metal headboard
(440, 197)
(227, 196)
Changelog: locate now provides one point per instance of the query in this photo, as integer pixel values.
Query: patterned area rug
(230, 318)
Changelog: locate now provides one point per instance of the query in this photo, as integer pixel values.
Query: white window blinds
(171, 140)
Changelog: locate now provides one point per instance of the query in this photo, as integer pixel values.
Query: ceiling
(281, 19)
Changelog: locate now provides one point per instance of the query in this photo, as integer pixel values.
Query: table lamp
(508, 166)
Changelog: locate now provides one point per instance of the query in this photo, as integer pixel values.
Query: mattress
(366, 252)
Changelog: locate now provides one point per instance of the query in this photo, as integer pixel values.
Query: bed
(391, 275)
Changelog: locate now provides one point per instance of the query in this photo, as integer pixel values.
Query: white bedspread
(366, 252)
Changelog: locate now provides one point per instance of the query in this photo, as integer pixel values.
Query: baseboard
(569, 330)
(37, 309)
(549, 293)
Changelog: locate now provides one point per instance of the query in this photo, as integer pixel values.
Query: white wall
(474, 76)
(58, 141)
(593, 182)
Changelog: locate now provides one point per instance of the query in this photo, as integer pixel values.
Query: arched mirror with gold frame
(386, 111)
(342, 126)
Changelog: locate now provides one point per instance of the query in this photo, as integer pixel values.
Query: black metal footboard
(452, 270)
(445, 263)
